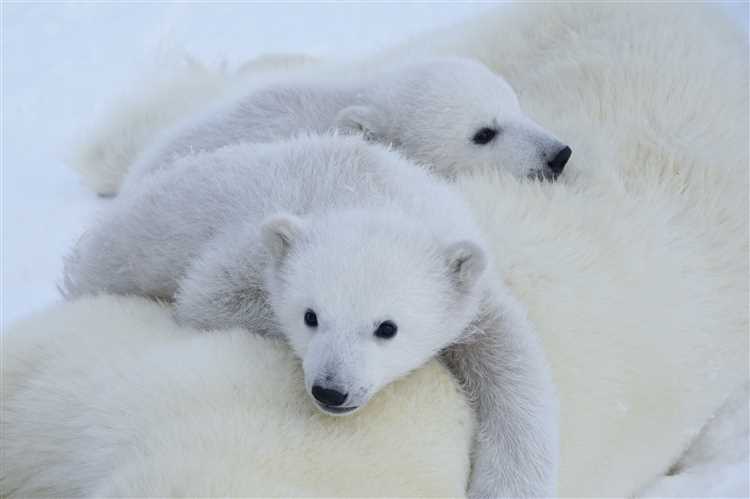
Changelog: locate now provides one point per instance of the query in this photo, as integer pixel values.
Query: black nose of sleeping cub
(557, 164)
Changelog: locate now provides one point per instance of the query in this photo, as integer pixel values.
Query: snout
(331, 400)
(557, 164)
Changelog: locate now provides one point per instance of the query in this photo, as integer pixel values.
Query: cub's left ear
(466, 264)
(362, 119)
(280, 233)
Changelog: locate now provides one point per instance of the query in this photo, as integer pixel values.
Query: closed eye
(484, 136)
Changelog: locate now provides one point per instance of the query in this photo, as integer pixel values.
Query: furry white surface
(108, 397)
(635, 265)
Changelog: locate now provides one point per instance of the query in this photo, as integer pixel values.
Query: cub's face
(457, 116)
(364, 306)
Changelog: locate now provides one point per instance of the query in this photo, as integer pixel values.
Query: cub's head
(365, 299)
(455, 115)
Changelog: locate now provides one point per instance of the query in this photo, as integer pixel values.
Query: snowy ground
(63, 63)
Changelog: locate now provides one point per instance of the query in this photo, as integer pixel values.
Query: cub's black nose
(328, 397)
(557, 164)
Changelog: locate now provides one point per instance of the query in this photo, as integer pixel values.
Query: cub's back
(270, 113)
(305, 176)
(167, 219)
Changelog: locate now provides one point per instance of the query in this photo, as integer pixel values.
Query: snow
(63, 63)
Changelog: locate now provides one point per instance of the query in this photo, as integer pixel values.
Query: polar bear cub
(367, 265)
(451, 115)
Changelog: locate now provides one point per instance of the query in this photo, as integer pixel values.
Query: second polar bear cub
(451, 115)
(365, 263)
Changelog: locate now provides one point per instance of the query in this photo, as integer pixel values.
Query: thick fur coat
(634, 264)
(350, 233)
(108, 397)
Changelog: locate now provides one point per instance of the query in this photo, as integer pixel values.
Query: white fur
(716, 464)
(635, 266)
(375, 238)
(108, 397)
(641, 289)
(429, 110)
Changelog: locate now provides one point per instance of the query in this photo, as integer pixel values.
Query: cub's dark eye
(386, 330)
(484, 136)
(311, 319)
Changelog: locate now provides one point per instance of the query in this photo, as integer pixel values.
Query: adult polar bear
(634, 268)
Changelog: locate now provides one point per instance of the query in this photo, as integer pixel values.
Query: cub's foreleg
(505, 375)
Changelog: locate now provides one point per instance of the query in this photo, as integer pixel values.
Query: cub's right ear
(466, 263)
(280, 233)
(361, 119)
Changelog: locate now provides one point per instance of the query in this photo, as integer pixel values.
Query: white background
(62, 64)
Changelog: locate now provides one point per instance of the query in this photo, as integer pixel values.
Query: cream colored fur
(108, 397)
(635, 265)
(635, 268)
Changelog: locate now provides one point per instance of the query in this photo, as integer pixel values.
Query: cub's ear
(466, 263)
(280, 233)
(362, 119)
